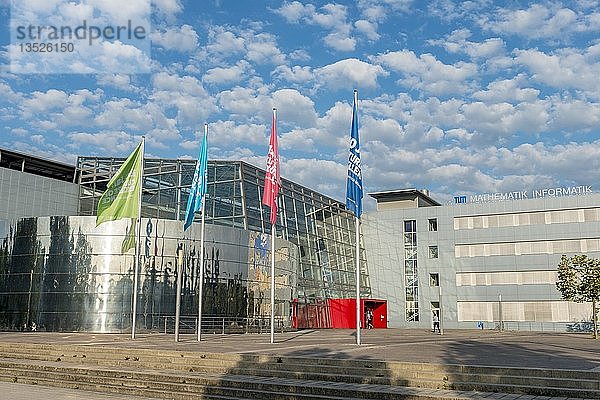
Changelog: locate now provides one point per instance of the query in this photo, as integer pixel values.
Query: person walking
(436, 323)
(369, 319)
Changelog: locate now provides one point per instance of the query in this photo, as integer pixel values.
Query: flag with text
(122, 195)
(272, 178)
(354, 187)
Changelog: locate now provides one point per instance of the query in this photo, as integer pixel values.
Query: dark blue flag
(354, 189)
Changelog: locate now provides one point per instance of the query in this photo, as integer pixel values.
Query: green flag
(121, 197)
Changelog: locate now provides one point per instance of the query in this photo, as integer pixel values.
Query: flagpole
(201, 278)
(138, 245)
(273, 283)
(179, 270)
(273, 261)
(358, 314)
(354, 201)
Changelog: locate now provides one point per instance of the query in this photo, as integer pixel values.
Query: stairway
(186, 375)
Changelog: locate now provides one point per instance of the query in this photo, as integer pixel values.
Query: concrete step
(229, 387)
(355, 372)
(510, 380)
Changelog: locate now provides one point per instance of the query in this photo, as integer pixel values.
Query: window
(433, 252)
(410, 226)
(432, 224)
(434, 279)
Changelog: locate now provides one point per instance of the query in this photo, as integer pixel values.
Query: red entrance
(338, 313)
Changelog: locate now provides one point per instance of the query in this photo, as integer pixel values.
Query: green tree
(579, 281)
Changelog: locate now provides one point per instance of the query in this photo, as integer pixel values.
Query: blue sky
(455, 96)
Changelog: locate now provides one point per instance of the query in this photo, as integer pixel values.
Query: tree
(579, 281)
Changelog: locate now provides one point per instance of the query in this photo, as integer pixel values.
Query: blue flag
(198, 189)
(354, 188)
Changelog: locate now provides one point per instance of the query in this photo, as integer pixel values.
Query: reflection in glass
(66, 274)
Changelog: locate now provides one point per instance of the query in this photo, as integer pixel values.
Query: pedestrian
(436, 323)
(369, 319)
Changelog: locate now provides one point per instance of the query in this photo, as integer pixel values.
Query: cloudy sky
(459, 97)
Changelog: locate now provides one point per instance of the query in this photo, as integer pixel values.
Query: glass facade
(65, 274)
(319, 226)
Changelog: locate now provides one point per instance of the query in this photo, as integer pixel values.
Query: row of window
(506, 278)
(522, 248)
(521, 311)
(528, 218)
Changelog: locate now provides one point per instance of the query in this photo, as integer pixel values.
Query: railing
(226, 325)
(574, 327)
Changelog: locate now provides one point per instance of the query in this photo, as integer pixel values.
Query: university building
(485, 260)
(61, 271)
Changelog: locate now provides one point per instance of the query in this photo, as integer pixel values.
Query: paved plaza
(472, 347)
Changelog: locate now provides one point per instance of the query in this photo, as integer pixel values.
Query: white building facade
(483, 261)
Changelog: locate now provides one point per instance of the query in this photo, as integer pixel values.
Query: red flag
(272, 179)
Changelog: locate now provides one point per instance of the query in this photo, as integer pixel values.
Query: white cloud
(539, 21)
(560, 162)
(124, 113)
(299, 55)
(42, 102)
(324, 176)
(295, 74)
(224, 42)
(369, 29)
(565, 69)
(294, 108)
(116, 56)
(349, 73)
(109, 142)
(456, 42)
(119, 81)
(509, 90)
(245, 102)
(339, 41)
(182, 38)
(502, 120)
(332, 17)
(257, 46)
(120, 12)
(262, 49)
(293, 12)
(378, 10)
(168, 9)
(231, 74)
(428, 73)
(231, 135)
(184, 95)
(574, 115)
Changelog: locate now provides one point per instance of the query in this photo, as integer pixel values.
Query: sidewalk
(469, 347)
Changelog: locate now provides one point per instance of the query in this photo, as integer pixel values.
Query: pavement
(464, 347)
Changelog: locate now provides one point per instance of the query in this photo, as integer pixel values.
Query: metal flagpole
(273, 258)
(136, 269)
(201, 278)
(178, 299)
(273, 283)
(357, 220)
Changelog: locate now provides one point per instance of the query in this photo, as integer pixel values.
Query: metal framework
(319, 225)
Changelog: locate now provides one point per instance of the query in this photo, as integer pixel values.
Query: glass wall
(320, 226)
(66, 274)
